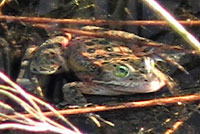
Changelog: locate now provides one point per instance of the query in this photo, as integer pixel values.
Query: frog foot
(98, 120)
(72, 95)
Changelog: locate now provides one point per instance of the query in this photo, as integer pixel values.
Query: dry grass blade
(21, 91)
(173, 23)
(42, 123)
(26, 106)
(37, 127)
(38, 114)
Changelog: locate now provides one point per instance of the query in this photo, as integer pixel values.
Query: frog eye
(121, 71)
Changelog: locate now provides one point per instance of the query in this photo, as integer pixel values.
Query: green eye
(122, 71)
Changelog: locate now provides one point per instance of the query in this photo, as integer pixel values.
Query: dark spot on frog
(125, 59)
(92, 68)
(109, 49)
(104, 42)
(105, 63)
(142, 70)
(41, 69)
(146, 49)
(99, 57)
(34, 69)
(91, 50)
(137, 63)
(89, 43)
(52, 45)
(96, 69)
(115, 55)
(51, 54)
(95, 40)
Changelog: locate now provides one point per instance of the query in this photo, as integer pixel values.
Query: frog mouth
(131, 87)
(152, 83)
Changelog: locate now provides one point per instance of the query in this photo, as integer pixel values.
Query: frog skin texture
(104, 66)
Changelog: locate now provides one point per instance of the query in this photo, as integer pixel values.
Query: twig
(138, 104)
(93, 22)
(132, 38)
(175, 126)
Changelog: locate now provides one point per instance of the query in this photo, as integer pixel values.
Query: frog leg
(42, 61)
(25, 78)
(49, 57)
(72, 95)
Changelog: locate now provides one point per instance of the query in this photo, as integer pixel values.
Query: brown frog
(104, 66)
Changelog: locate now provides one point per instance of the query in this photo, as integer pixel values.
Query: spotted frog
(104, 66)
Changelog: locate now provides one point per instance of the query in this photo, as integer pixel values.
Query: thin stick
(132, 38)
(139, 104)
(93, 22)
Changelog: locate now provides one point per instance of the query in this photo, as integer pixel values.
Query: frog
(104, 66)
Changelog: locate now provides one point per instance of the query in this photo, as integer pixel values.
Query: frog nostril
(143, 71)
(114, 65)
